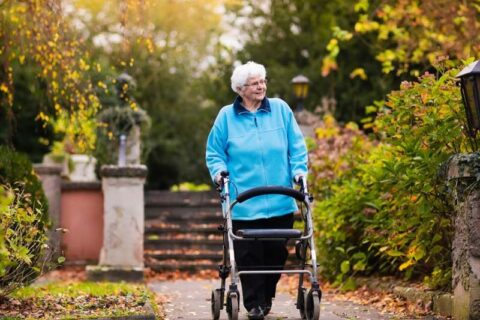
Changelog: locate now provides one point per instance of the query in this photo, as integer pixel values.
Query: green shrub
(16, 167)
(389, 213)
(23, 222)
(22, 239)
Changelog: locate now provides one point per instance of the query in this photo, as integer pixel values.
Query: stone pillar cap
(463, 165)
(41, 168)
(128, 171)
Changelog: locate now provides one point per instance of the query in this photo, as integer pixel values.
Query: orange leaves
(328, 64)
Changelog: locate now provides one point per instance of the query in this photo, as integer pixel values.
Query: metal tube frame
(308, 227)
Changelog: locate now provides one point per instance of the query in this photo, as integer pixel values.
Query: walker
(308, 303)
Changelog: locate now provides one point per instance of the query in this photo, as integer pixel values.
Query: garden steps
(181, 231)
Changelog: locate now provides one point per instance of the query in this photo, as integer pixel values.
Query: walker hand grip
(270, 190)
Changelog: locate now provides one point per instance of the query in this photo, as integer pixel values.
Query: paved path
(190, 299)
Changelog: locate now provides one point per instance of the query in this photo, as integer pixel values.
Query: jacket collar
(237, 105)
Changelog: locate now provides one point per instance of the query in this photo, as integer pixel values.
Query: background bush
(387, 210)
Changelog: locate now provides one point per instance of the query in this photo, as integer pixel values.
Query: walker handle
(270, 190)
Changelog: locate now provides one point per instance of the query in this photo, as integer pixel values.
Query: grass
(78, 300)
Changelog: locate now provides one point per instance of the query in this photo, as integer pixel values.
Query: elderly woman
(257, 140)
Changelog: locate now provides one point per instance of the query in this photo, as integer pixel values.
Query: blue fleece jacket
(262, 148)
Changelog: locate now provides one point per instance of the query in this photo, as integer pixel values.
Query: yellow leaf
(406, 264)
(359, 72)
(4, 88)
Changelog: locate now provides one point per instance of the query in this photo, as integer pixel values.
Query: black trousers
(259, 288)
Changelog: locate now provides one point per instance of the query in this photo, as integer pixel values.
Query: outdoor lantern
(300, 89)
(470, 87)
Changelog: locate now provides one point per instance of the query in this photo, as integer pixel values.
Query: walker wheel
(301, 299)
(312, 306)
(300, 250)
(216, 303)
(232, 305)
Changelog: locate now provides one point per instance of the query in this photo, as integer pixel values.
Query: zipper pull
(255, 120)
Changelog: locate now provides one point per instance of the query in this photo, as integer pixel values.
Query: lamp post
(300, 85)
(470, 87)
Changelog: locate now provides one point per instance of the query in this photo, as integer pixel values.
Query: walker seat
(269, 233)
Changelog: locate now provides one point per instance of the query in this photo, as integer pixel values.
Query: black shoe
(267, 307)
(255, 313)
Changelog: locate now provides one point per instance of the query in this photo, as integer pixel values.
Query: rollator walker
(308, 302)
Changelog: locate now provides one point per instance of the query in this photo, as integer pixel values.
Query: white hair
(241, 74)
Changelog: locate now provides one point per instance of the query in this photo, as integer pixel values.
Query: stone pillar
(463, 170)
(50, 176)
(121, 257)
(308, 122)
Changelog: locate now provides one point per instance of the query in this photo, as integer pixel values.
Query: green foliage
(75, 289)
(22, 239)
(23, 221)
(389, 213)
(188, 186)
(334, 154)
(17, 168)
(18, 126)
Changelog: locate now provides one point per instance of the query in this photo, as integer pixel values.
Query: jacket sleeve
(216, 157)
(297, 149)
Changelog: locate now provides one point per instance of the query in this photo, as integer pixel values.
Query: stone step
(187, 229)
(194, 258)
(159, 267)
(184, 213)
(209, 244)
(199, 236)
(164, 198)
(188, 257)
(161, 223)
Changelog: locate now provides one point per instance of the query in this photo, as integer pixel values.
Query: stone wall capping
(80, 185)
(47, 169)
(133, 171)
(463, 165)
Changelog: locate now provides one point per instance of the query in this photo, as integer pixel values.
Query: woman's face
(255, 89)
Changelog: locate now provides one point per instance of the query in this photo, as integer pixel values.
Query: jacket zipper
(262, 158)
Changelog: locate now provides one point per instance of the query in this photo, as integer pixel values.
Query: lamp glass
(300, 89)
(472, 108)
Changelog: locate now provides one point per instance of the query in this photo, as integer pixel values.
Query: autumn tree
(60, 67)
(408, 36)
(35, 35)
(167, 47)
(291, 37)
